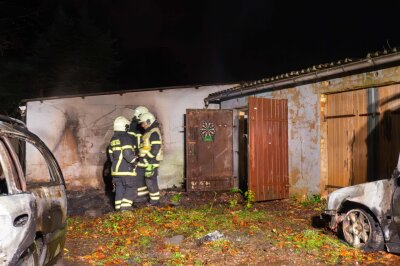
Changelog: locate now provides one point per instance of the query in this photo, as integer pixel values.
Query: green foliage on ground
(249, 198)
(132, 237)
(176, 198)
(130, 234)
(329, 249)
(314, 201)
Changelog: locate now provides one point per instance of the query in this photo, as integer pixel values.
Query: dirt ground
(277, 232)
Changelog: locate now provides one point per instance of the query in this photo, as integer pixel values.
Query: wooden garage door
(363, 130)
(268, 148)
(347, 132)
(209, 165)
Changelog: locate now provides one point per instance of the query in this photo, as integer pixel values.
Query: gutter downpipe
(366, 63)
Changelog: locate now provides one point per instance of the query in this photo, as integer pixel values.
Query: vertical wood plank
(268, 162)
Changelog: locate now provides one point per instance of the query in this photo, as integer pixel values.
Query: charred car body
(367, 215)
(33, 202)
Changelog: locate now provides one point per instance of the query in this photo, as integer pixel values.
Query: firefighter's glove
(148, 174)
(149, 171)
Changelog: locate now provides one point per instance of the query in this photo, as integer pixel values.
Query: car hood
(374, 195)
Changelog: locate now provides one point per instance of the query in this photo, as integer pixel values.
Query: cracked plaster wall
(77, 130)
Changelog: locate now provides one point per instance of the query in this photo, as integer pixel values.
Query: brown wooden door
(268, 148)
(363, 130)
(341, 138)
(209, 154)
(350, 142)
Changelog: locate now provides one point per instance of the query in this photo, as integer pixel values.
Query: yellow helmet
(147, 118)
(139, 111)
(121, 124)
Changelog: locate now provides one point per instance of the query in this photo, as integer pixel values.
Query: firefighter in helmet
(123, 158)
(136, 132)
(150, 154)
(134, 129)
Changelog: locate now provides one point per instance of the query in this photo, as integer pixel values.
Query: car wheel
(360, 230)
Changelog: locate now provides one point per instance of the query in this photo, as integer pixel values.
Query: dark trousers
(125, 191)
(143, 192)
(152, 185)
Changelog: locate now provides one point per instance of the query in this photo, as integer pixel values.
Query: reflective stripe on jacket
(151, 147)
(122, 154)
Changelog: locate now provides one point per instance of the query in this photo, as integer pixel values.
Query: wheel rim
(356, 228)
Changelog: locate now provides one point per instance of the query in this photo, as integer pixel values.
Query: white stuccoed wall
(77, 130)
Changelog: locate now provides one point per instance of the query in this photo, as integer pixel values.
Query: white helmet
(121, 124)
(147, 118)
(139, 111)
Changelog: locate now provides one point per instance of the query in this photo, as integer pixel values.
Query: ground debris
(91, 203)
(275, 233)
(175, 240)
(210, 237)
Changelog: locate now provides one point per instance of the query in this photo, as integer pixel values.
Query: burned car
(33, 202)
(367, 215)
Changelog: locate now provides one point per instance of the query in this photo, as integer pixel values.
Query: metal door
(268, 148)
(209, 165)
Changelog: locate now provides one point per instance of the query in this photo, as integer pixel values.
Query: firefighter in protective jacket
(136, 132)
(150, 154)
(134, 129)
(123, 158)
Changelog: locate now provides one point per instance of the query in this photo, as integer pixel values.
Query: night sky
(174, 43)
(231, 41)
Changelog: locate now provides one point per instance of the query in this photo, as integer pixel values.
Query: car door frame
(50, 199)
(21, 217)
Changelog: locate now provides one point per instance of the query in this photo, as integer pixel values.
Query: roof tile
(313, 68)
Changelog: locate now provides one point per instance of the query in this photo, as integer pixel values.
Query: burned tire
(361, 231)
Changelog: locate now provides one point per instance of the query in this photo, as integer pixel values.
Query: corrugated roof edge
(124, 91)
(304, 76)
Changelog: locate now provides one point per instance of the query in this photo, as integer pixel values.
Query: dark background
(66, 47)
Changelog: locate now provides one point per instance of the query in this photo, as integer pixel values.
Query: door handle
(21, 220)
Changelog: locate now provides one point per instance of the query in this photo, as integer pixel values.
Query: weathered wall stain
(70, 147)
(295, 176)
(79, 129)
